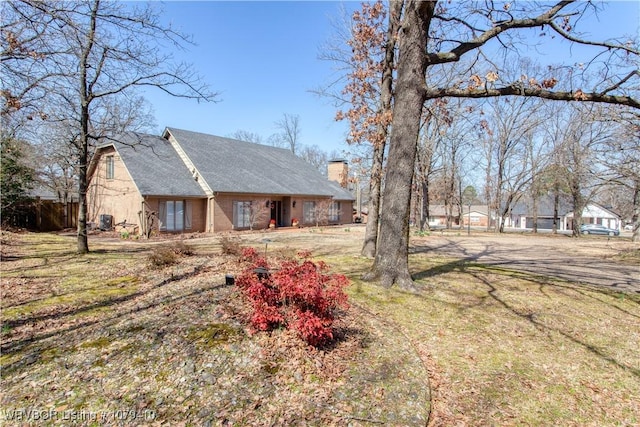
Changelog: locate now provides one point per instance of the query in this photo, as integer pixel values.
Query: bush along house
(186, 181)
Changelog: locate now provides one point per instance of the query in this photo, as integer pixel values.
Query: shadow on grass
(14, 346)
(468, 263)
(531, 318)
(34, 355)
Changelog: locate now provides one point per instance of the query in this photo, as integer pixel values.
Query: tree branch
(569, 37)
(518, 90)
(621, 82)
(456, 53)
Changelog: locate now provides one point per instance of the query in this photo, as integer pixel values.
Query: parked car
(598, 229)
(628, 227)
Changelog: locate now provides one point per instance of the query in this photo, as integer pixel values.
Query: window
(334, 212)
(110, 167)
(309, 212)
(241, 214)
(174, 215)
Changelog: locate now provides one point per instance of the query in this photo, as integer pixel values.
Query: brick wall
(117, 196)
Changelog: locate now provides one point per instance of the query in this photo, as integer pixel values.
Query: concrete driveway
(594, 260)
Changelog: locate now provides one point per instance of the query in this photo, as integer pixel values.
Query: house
(438, 215)
(522, 215)
(184, 181)
(478, 214)
(593, 213)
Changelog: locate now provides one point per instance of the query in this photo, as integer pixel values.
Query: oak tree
(467, 29)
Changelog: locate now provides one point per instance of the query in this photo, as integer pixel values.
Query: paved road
(584, 260)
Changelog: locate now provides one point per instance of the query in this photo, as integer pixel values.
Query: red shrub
(300, 295)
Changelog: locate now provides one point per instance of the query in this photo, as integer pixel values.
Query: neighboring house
(522, 215)
(438, 215)
(596, 214)
(479, 215)
(186, 181)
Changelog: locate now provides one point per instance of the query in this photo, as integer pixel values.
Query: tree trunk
(636, 211)
(556, 203)
(83, 241)
(391, 264)
(373, 214)
(386, 95)
(534, 208)
(578, 206)
(424, 218)
(499, 183)
(83, 145)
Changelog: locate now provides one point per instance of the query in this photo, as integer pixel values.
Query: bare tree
(98, 54)
(365, 101)
(581, 135)
(513, 122)
(244, 135)
(259, 210)
(288, 134)
(538, 159)
(619, 157)
(322, 211)
(379, 138)
(315, 156)
(467, 29)
(426, 166)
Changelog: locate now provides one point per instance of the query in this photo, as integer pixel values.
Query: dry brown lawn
(108, 340)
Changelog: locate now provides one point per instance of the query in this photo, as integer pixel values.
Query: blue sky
(262, 57)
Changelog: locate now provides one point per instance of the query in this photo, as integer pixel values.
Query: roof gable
(233, 166)
(595, 210)
(154, 166)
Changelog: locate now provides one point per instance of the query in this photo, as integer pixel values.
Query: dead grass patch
(510, 348)
(172, 348)
(477, 345)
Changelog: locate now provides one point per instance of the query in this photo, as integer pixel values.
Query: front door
(276, 212)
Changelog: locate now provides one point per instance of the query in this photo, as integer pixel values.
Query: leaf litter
(172, 348)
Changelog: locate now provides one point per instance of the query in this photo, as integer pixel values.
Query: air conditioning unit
(106, 222)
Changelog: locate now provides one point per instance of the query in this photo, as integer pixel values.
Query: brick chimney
(338, 170)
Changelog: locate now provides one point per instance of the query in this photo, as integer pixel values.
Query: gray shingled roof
(545, 206)
(155, 166)
(229, 165)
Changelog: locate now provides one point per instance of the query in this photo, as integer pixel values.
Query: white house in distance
(522, 215)
(596, 214)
